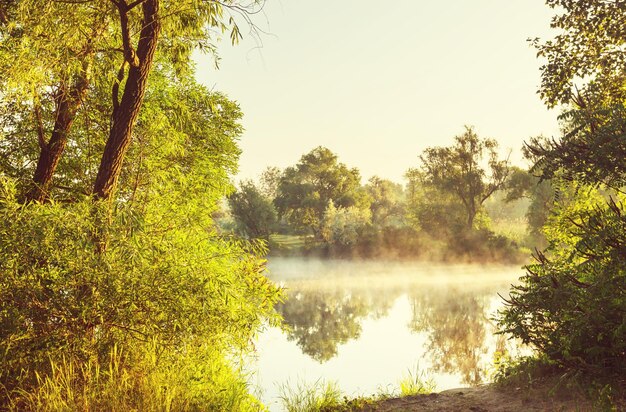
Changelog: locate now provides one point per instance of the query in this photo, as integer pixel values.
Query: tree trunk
(67, 105)
(471, 214)
(125, 113)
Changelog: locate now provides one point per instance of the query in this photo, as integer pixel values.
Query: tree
(458, 170)
(439, 213)
(571, 304)
(588, 50)
(387, 199)
(523, 184)
(47, 78)
(305, 190)
(269, 182)
(254, 213)
(84, 46)
(169, 300)
(344, 226)
(585, 70)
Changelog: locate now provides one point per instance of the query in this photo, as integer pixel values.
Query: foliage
(306, 189)
(269, 182)
(588, 50)
(344, 226)
(50, 76)
(199, 378)
(145, 274)
(175, 286)
(387, 202)
(458, 171)
(592, 150)
(585, 70)
(439, 220)
(254, 213)
(436, 212)
(541, 194)
(572, 304)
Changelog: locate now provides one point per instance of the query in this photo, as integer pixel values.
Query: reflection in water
(456, 324)
(323, 312)
(319, 322)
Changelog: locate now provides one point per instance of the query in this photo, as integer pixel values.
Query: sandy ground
(489, 399)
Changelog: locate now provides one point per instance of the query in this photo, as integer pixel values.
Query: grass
(514, 229)
(287, 242)
(203, 381)
(415, 383)
(322, 396)
(315, 397)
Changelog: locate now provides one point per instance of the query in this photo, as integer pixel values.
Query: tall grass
(200, 379)
(415, 383)
(315, 397)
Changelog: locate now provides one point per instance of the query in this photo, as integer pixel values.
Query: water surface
(366, 324)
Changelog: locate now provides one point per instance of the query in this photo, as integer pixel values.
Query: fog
(299, 272)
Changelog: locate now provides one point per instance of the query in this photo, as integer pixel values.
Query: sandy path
(486, 399)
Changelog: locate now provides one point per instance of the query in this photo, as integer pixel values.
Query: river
(367, 324)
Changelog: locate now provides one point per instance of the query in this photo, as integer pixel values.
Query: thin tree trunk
(471, 215)
(126, 111)
(68, 103)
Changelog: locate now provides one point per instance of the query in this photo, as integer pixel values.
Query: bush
(483, 246)
(571, 304)
(79, 284)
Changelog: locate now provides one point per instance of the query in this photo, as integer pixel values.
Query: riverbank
(493, 398)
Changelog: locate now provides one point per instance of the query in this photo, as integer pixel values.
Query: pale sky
(379, 81)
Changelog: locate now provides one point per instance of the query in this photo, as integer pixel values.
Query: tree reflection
(319, 322)
(322, 316)
(456, 324)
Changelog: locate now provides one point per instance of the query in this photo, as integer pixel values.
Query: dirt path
(488, 399)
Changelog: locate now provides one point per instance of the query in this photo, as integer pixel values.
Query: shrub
(571, 305)
(78, 284)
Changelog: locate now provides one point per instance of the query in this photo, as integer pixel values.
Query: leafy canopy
(306, 189)
(460, 171)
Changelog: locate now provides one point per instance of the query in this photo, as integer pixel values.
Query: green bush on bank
(123, 305)
(571, 304)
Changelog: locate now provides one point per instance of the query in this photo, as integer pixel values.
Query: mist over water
(366, 324)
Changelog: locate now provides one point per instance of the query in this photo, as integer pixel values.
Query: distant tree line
(439, 213)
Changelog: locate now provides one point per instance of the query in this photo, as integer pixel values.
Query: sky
(378, 82)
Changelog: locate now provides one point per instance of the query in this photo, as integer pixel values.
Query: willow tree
(459, 170)
(168, 301)
(46, 76)
(49, 73)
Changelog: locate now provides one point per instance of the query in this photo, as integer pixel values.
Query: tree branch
(40, 133)
(129, 52)
(134, 4)
(116, 87)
